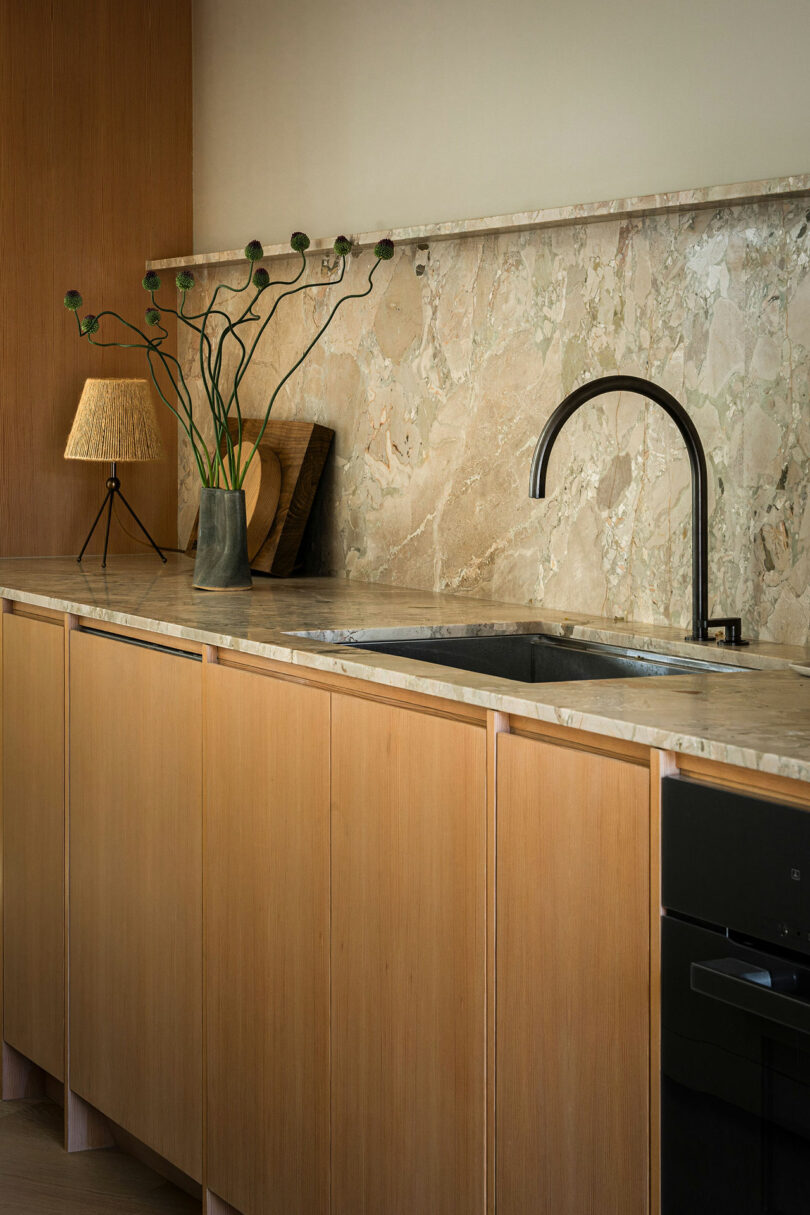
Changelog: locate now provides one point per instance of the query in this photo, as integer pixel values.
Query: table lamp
(115, 423)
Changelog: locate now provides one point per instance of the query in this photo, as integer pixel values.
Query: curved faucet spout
(697, 461)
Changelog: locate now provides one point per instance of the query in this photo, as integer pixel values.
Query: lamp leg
(141, 526)
(107, 533)
(107, 499)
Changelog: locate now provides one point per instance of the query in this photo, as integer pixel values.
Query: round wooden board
(262, 488)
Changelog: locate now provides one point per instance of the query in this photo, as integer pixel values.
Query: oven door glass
(735, 1085)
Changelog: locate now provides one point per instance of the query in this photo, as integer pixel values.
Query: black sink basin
(540, 658)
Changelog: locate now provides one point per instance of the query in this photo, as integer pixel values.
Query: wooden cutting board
(301, 449)
(262, 492)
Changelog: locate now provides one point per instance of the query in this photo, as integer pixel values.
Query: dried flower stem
(226, 463)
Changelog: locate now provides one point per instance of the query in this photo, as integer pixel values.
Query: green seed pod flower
(254, 251)
(300, 242)
(153, 316)
(343, 246)
(90, 324)
(384, 250)
(261, 278)
(151, 280)
(73, 301)
(184, 280)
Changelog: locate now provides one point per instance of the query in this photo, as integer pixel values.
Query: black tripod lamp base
(113, 491)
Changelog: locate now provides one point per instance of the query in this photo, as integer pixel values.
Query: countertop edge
(316, 656)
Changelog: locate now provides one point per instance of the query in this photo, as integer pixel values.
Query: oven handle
(750, 988)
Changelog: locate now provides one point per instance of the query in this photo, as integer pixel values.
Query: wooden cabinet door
(135, 1013)
(408, 961)
(34, 840)
(572, 982)
(267, 943)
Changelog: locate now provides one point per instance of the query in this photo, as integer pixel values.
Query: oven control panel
(736, 862)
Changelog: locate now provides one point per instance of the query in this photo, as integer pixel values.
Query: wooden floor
(37, 1177)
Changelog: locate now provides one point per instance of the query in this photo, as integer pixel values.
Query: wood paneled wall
(95, 177)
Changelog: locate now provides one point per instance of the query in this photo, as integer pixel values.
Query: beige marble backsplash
(439, 383)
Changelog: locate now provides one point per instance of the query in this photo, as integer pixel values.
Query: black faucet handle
(733, 629)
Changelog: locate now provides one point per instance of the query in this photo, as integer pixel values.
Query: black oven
(735, 1004)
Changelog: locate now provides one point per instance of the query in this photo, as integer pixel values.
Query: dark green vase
(222, 557)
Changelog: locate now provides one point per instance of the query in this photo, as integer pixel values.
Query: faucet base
(732, 625)
(733, 629)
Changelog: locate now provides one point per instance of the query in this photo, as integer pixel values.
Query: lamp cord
(166, 548)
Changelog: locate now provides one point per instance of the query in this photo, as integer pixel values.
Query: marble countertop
(758, 718)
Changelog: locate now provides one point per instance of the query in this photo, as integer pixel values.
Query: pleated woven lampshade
(115, 421)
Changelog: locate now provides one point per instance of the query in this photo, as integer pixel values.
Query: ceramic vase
(222, 555)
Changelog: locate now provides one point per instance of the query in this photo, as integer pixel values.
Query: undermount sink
(540, 657)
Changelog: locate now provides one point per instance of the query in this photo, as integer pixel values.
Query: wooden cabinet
(379, 946)
(408, 961)
(267, 943)
(33, 773)
(573, 982)
(136, 891)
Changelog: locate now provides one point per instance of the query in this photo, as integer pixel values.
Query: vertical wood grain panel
(33, 840)
(267, 943)
(5, 609)
(497, 723)
(408, 962)
(95, 176)
(214, 1205)
(573, 951)
(662, 763)
(84, 1127)
(20, 1077)
(136, 892)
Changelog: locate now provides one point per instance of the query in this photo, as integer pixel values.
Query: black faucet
(645, 388)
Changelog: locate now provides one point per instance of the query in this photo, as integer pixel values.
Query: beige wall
(350, 114)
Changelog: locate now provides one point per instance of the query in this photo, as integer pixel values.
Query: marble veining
(754, 718)
(439, 383)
